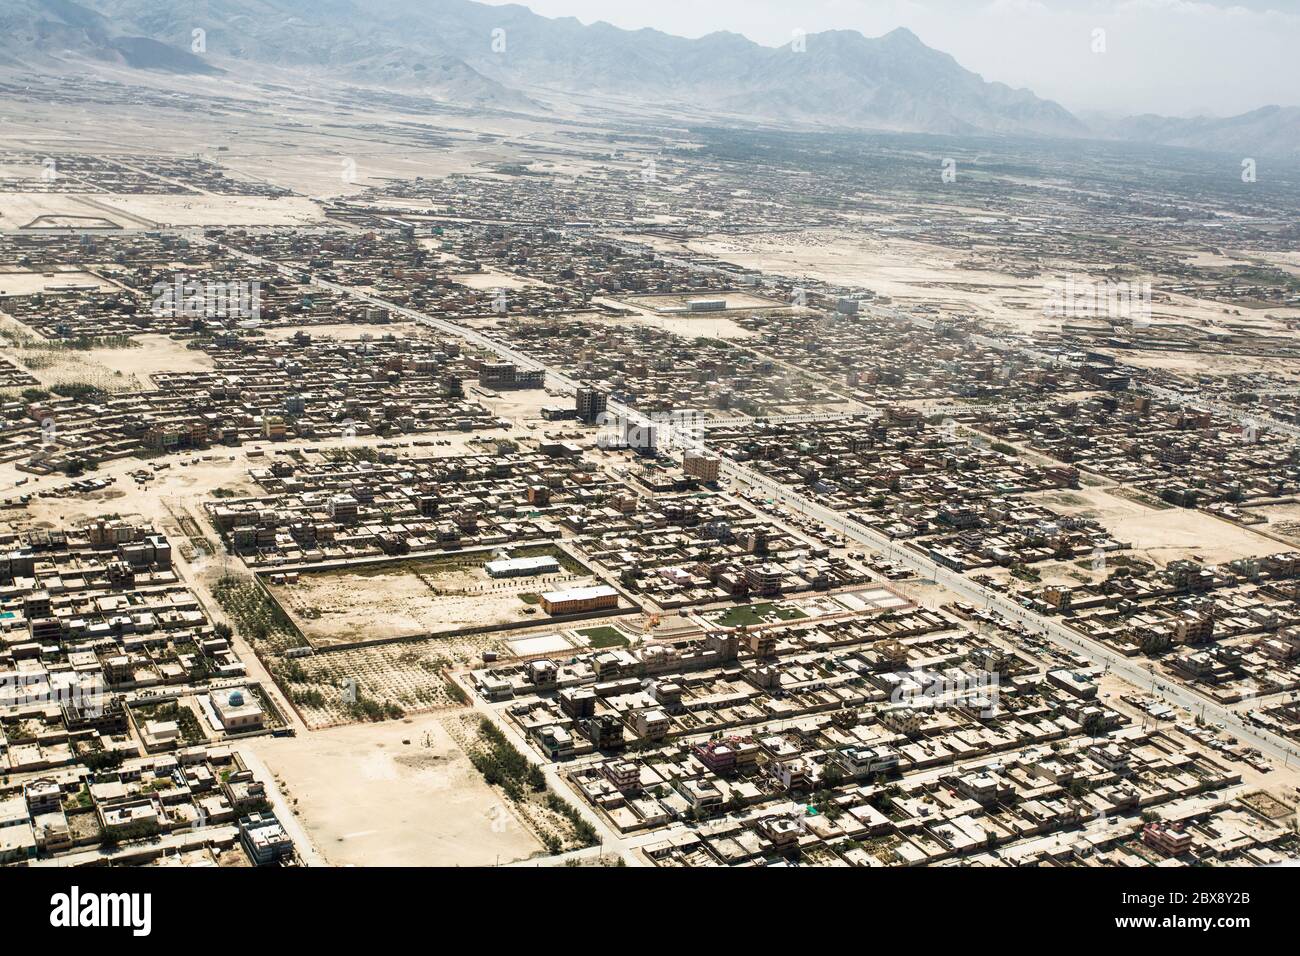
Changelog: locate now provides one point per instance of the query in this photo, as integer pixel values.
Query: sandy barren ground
(30, 283)
(904, 270)
(1203, 363)
(911, 272)
(394, 601)
(490, 279)
(1281, 520)
(142, 211)
(349, 330)
(301, 145)
(521, 406)
(735, 300)
(112, 369)
(20, 209)
(700, 324)
(366, 798)
(218, 210)
(1161, 534)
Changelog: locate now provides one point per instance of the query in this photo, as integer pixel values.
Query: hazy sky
(1163, 56)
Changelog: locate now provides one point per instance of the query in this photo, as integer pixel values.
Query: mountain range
(507, 57)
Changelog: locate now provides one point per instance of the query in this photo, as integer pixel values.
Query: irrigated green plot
(748, 615)
(599, 637)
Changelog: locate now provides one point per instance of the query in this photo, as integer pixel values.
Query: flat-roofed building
(264, 838)
(1169, 840)
(707, 305)
(237, 709)
(703, 467)
(589, 403)
(580, 600)
(625, 775)
(522, 567)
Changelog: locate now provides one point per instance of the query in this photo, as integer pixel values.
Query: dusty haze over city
(575, 434)
(1157, 64)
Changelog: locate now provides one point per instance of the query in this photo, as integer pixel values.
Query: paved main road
(1047, 627)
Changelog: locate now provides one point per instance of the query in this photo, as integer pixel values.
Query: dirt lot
(522, 406)
(137, 211)
(1161, 535)
(411, 597)
(112, 369)
(30, 283)
(911, 272)
(349, 330)
(367, 799)
(689, 325)
(735, 301)
(1282, 520)
(491, 279)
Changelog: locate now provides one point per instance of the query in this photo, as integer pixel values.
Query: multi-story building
(264, 838)
(703, 467)
(1171, 840)
(590, 403)
(580, 600)
(763, 578)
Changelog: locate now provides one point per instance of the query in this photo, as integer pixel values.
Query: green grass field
(604, 637)
(747, 615)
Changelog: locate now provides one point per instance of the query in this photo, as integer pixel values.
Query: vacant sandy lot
(217, 210)
(490, 279)
(21, 209)
(411, 597)
(144, 211)
(349, 330)
(734, 300)
(1160, 535)
(1282, 520)
(112, 369)
(367, 799)
(1206, 363)
(904, 270)
(29, 283)
(913, 273)
(521, 405)
(688, 325)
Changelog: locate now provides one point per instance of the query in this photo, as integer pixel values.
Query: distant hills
(507, 57)
(39, 33)
(1271, 130)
